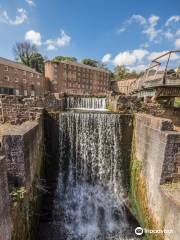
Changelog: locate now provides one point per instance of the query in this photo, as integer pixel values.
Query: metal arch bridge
(161, 79)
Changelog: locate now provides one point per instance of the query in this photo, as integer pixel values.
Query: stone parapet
(5, 222)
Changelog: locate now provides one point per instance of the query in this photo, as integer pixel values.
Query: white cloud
(130, 57)
(140, 54)
(20, 18)
(177, 43)
(148, 25)
(30, 2)
(153, 20)
(138, 18)
(144, 45)
(106, 58)
(154, 55)
(51, 47)
(138, 68)
(34, 37)
(168, 35)
(172, 19)
(61, 41)
(150, 29)
(122, 29)
(152, 33)
(178, 32)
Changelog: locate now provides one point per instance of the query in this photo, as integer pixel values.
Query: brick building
(73, 77)
(18, 79)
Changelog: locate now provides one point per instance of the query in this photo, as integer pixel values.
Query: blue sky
(116, 32)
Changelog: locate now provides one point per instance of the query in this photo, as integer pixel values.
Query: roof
(17, 65)
(82, 65)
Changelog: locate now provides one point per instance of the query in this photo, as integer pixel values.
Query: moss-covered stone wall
(151, 153)
(23, 147)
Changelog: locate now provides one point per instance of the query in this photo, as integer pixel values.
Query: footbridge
(161, 79)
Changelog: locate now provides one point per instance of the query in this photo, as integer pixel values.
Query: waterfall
(93, 103)
(89, 198)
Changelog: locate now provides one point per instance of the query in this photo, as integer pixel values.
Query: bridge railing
(161, 69)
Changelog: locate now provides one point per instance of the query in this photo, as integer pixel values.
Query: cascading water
(89, 198)
(93, 103)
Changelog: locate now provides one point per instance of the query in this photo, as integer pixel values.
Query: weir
(88, 103)
(90, 194)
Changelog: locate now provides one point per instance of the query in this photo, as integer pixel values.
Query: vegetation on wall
(64, 58)
(90, 62)
(138, 198)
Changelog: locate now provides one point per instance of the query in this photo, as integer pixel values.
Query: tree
(37, 62)
(120, 72)
(23, 51)
(64, 58)
(90, 62)
(133, 74)
(27, 53)
(102, 65)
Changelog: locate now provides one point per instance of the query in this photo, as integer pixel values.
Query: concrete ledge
(20, 130)
(156, 123)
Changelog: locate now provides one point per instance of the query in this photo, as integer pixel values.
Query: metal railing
(158, 73)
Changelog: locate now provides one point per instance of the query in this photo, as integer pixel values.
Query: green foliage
(122, 72)
(17, 194)
(27, 53)
(64, 58)
(110, 107)
(138, 198)
(177, 102)
(90, 62)
(37, 62)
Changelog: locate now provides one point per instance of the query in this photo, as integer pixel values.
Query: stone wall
(5, 223)
(16, 109)
(122, 86)
(23, 147)
(156, 146)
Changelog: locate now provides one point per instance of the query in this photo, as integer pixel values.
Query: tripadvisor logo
(139, 231)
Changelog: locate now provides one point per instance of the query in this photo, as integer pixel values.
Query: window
(32, 93)
(25, 93)
(6, 78)
(6, 68)
(17, 92)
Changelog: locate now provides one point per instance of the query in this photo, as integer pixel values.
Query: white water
(88, 204)
(86, 103)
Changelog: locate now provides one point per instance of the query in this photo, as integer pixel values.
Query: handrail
(157, 64)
